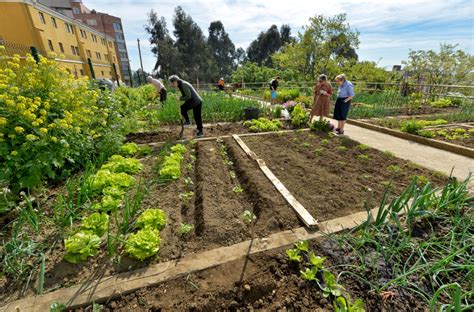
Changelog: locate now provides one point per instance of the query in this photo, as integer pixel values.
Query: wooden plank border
(300, 210)
(111, 287)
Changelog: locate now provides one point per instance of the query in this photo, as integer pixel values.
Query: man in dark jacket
(192, 100)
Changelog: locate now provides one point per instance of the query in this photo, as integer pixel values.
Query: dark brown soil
(171, 132)
(331, 177)
(262, 282)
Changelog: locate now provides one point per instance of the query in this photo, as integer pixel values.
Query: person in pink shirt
(160, 88)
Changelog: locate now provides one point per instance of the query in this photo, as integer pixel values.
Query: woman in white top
(160, 88)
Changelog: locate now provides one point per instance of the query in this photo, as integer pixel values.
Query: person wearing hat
(192, 100)
(159, 87)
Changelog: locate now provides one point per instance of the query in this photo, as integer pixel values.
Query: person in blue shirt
(345, 94)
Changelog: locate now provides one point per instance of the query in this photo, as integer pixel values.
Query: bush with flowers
(51, 123)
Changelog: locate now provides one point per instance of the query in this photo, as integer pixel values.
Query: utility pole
(141, 61)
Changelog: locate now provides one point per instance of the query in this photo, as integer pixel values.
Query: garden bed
(331, 175)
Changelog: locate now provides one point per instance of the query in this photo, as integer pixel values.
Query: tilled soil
(171, 132)
(261, 282)
(333, 177)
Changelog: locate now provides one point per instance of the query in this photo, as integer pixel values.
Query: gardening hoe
(182, 130)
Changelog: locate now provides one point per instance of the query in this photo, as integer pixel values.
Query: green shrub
(129, 149)
(299, 117)
(277, 111)
(323, 126)
(283, 95)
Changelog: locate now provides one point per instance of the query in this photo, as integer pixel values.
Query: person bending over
(159, 87)
(192, 100)
(273, 89)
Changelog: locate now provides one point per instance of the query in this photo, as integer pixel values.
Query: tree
(267, 43)
(197, 63)
(222, 49)
(449, 66)
(325, 46)
(251, 72)
(240, 56)
(168, 60)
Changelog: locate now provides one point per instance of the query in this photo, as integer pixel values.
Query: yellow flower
(44, 130)
(54, 139)
(19, 129)
(35, 124)
(31, 137)
(3, 121)
(14, 153)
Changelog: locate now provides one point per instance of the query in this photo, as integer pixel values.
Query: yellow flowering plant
(51, 123)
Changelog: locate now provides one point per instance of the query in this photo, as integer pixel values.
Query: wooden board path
(300, 210)
(110, 287)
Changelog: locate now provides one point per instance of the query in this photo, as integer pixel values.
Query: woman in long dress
(322, 97)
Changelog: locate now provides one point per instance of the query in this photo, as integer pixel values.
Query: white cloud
(387, 27)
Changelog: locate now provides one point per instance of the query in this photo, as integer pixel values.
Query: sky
(388, 28)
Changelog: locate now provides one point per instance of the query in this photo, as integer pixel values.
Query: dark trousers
(196, 112)
(163, 95)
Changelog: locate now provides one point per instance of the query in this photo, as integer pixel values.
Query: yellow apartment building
(80, 48)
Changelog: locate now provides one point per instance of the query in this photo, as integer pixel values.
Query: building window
(117, 26)
(82, 72)
(102, 73)
(73, 50)
(115, 60)
(76, 11)
(50, 45)
(94, 38)
(98, 56)
(41, 17)
(91, 22)
(106, 56)
(61, 47)
(53, 20)
(110, 44)
(69, 28)
(77, 50)
(89, 54)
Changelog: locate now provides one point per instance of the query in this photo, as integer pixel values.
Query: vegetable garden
(97, 185)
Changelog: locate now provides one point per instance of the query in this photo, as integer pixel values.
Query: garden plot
(204, 208)
(334, 176)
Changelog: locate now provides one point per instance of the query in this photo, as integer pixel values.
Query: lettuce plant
(144, 243)
(80, 246)
(316, 261)
(294, 255)
(97, 223)
(179, 148)
(119, 164)
(341, 304)
(248, 217)
(129, 149)
(302, 246)
(105, 178)
(331, 287)
(153, 218)
(309, 274)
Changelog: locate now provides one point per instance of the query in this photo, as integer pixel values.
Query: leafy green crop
(294, 255)
(299, 117)
(302, 246)
(321, 125)
(117, 164)
(152, 218)
(105, 178)
(97, 223)
(185, 228)
(179, 148)
(309, 274)
(341, 304)
(144, 243)
(129, 149)
(80, 246)
(263, 125)
(331, 287)
(316, 261)
(171, 167)
(248, 217)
